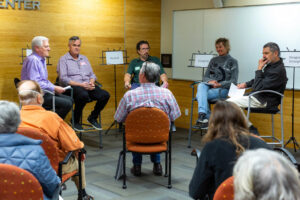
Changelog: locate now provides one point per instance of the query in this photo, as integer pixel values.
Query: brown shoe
(136, 170)
(157, 169)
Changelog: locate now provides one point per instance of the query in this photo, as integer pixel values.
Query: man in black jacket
(270, 75)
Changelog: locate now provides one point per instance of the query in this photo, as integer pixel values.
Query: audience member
(75, 69)
(24, 152)
(226, 139)
(262, 174)
(35, 116)
(148, 95)
(35, 68)
(270, 75)
(221, 72)
(142, 48)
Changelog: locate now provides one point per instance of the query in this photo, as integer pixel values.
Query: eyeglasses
(144, 49)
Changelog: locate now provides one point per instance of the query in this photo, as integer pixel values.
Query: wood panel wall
(101, 24)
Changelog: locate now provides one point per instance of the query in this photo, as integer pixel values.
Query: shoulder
(83, 57)
(32, 58)
(133, 61)
(256, 142)
(64, 57)
(154, 59)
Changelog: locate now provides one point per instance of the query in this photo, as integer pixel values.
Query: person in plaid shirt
(148, 95)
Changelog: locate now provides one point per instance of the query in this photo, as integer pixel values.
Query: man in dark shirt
(270, 75)
(135, 66)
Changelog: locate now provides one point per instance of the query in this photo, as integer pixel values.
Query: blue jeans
(137, 158)
(206, 93)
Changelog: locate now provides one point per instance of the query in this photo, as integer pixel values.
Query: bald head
(30, 93)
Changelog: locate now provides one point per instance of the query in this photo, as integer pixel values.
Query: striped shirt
(148, 95)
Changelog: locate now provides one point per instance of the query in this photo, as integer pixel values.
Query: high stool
(272, 111)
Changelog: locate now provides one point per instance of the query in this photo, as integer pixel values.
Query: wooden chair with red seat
(17, 183)
(51, 151)
(225, 191)
(147, 131)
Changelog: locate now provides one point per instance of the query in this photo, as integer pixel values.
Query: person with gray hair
(35, 68)
(148, 95)
(263, 174)
(74, 69)
(24, 152)
(270, 75)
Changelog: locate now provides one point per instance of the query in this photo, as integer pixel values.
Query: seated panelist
(75, 70)
(221, 72)
(131, 78)
(270, 75)
(35, 68)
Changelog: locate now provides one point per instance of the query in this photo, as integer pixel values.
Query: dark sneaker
(253, 129)
(136, 170)
(87, 197)
(78, 127)
(94, 123)
(202, 118)
(157, 169)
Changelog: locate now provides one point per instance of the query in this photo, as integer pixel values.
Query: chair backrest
(147, 125)
(225, 191)
(17, 183)
(48, 144)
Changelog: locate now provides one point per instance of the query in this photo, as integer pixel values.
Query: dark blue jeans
(137, 158)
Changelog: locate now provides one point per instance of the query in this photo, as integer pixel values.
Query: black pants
(63, 104)
(82, 97)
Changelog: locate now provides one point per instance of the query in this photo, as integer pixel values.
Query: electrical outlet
(186, 111)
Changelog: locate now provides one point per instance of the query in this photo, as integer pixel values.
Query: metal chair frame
(275, 141)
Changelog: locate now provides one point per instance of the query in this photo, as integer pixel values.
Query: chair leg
(191, 122)
(272, 119)
(170, 165)
(124, 170)
(166, 164)
(80, 195)
(282, 129)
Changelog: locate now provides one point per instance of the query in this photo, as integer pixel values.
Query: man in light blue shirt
(35, 68)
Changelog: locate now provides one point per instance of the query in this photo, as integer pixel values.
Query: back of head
(37, 41)
(29, 91)
(9, 117)
(151, 71)
(227, 121)
(263, 174)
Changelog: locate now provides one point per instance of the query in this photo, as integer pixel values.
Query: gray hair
(74, 38)
(151, 71)
(37, 41)
(263, 174)
(273, 47)
(9, 117)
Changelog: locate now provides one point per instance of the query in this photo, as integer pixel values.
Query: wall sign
(20, 4)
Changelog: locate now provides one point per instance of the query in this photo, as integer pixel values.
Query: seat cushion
(146, 148)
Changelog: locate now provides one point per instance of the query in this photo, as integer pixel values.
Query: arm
(206, 77)
(202, 180)
(174, 108)
(122, 110)
(164, 79)
(127, 79)
(67, 138)
(33, 71)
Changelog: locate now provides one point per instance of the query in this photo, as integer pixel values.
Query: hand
(242, 85)
(216, 85)
(92, 86)
(82, 155)
(58, 89)
(86, 86)
(212, 82)
(262, 62)
(165, 84)
(127, 85)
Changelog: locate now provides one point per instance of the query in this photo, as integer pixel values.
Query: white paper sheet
(234, 91)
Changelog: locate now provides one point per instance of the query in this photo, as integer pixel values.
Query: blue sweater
(27, 154)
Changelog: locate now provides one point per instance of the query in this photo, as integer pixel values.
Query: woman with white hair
(263, 174)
